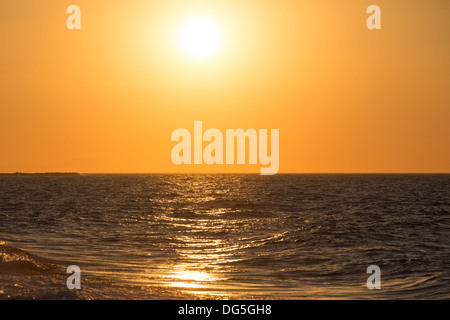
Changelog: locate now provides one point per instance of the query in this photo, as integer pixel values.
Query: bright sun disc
(200, 38)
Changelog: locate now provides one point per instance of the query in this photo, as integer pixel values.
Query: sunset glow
(224, 150)
(106, 98)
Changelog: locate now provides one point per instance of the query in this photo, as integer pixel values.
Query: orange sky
(106, 98)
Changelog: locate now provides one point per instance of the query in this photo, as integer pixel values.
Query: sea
(225, 236)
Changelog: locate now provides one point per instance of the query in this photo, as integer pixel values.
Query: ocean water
(225, 236)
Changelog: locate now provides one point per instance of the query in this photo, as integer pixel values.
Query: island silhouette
(41, 174)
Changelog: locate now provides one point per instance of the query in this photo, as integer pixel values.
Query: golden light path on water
(201, 272)
(202, 275)
(203, 269)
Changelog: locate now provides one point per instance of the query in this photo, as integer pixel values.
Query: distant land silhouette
(41, 174)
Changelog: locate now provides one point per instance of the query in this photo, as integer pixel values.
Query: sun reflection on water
(189, 279)
(195, 282)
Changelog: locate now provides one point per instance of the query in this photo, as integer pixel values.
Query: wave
(17, 261)
(25, 276)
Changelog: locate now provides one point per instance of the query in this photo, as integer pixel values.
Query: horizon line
(254, 173)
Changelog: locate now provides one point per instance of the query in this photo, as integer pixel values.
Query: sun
(200, 38)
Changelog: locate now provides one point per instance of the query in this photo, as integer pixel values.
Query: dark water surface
(225, 236)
